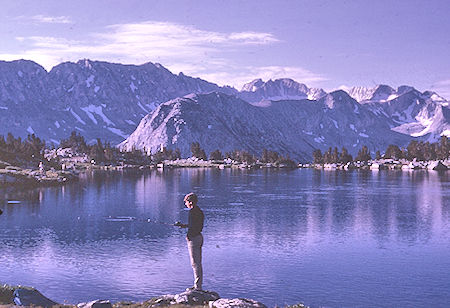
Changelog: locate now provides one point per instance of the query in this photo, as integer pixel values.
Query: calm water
(325, 238)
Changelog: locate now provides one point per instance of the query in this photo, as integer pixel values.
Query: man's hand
(179, 224)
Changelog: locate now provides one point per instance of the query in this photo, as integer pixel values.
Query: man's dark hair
(191, 197)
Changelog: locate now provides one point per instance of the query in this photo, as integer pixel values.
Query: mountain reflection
(309, 204)
(259, 224)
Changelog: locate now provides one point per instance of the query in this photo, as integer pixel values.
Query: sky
(328, 44)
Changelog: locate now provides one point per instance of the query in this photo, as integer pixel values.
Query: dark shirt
(195, 223)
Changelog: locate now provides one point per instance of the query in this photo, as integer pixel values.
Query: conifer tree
(444, 148)
(345, 156)
(363, 154)
(197, 151)
(378, 155)
(393, 152)
(317, 156)
(216, 155)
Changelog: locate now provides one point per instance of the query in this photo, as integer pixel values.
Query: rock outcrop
(192, 297)
(236, 303)
(31, 297)
(25, 296)
(96, 304)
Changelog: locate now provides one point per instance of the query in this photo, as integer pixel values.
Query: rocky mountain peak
(339, 99)
(382, 93)
(404, 89)
(278, 89)
(253, 85)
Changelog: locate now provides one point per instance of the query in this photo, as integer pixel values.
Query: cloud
(46, 19)
(253, 37)
(193, 51)
(52, 19)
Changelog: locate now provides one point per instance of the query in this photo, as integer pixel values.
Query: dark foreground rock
(31, 297)
(25, 296)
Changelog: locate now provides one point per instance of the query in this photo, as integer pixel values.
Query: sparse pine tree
(216, 155)
(378, 155)
(327, 157)
(335, 156)
(444, 148)
(393, 152)
(197, 151)
(345, 156)
(317, 156)
(176, 154)
(363, 154)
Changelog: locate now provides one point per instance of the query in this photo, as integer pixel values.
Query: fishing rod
(132, 218)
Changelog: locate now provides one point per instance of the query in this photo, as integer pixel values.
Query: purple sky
(326, 44)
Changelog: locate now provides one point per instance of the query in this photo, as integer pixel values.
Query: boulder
(191, 297)
(31, 297)
(164, 300)
(236, 303)
(96, 304)
(438, 166)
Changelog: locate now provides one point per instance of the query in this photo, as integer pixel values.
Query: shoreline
(27, 177)
(13, 296)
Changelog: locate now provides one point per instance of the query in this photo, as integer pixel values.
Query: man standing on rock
(194, 238)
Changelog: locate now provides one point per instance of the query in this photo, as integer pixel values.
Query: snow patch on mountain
(117, 132)
(76, 116)
(89, 81)
(98, 110)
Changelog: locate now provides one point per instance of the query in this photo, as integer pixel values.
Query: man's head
(190, 200)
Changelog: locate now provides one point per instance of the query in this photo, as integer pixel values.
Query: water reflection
(303, 230)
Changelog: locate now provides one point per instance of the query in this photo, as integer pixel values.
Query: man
(194, 238)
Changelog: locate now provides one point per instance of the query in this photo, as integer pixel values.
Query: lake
(324, 238)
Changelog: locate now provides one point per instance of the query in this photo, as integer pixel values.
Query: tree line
(419, 150)
(21, 152)
(31, 150)
(242, 156)
(102, 152)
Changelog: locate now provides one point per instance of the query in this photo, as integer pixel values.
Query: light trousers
(195, 254)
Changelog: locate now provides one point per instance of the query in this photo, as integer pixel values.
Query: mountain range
(146, 106)
(97, 99)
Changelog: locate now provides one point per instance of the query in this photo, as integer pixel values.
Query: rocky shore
(385, 164)
(13, 296)
(71, 167)
(13, 175)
